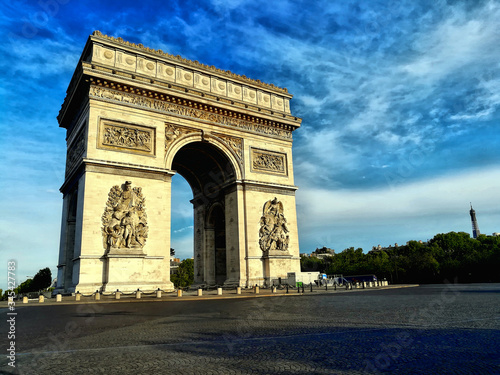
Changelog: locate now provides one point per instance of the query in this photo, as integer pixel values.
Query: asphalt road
(435, 329)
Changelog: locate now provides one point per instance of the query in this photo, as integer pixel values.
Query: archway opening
(210, 175)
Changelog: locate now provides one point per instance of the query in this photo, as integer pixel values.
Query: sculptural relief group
(124, 219)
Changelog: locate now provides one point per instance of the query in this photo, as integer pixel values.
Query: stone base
(277, 264)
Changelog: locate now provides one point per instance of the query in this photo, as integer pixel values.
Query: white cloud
(424, 208)
(461, 39)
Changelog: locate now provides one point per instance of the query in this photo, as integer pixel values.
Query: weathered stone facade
(136, 116)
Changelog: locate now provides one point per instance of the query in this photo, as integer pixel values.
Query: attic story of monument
(134, 117)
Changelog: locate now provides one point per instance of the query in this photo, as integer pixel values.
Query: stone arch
(212, 175)
(176, 145)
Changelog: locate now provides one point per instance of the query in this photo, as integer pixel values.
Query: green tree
(184, 276)
(25, 287)
(42, 280)
(312, 264)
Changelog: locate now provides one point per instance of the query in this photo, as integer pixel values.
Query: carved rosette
(273, 228)
(125, 225)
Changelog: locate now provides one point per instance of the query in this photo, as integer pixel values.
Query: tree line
(447, 257)
(40, 282)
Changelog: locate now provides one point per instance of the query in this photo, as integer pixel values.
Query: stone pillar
(97, 296)
(41, 299)
(138, 294)
(257, 289)
(158, 293)
(25, 299)
(200, 292)
(238, 290)
(58, 298)
(179, 292)
(118, 294)
(219, 291)
(209, 258)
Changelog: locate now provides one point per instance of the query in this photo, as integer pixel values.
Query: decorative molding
(173, 132)
(268, 162)
(75, 151)
(195, 64)
(125, 225)
(234, 143)
(273, 229)
(163, 106)
(131, 138)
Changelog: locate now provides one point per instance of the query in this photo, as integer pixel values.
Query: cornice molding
(154, 100)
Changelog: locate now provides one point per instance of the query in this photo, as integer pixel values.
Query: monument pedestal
(277, 264)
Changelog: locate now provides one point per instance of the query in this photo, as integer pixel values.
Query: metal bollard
(326, 287)
(179, 292)
(311, 287)
(298, 289)
(302, 287)
(334, 286)
(219, 291)
(158, 293)
(58, 298)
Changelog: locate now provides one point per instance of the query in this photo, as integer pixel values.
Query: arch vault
(135, 117)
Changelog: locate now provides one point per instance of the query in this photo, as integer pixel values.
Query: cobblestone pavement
(435, 329)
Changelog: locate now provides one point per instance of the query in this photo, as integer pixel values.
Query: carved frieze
(268, 162)
(131, 138)
(75, 152)
(273, 228)
(173, 132)
(125, 225)
(234, 143)
(98, 92)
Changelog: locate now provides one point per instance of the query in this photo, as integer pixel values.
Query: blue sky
(400, 103)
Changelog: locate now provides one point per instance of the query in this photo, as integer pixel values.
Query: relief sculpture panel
(75, 152)
(268, 162)
(129, 138)
(125, 226)
(273, 228)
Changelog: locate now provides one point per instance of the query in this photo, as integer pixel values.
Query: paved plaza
(433, 329)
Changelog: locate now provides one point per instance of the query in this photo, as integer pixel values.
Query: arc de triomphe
(136, 116)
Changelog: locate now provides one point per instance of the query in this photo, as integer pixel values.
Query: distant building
(475, 227)
(323, 253)
(174, 264)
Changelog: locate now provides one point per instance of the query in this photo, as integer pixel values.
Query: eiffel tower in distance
(475, 227)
